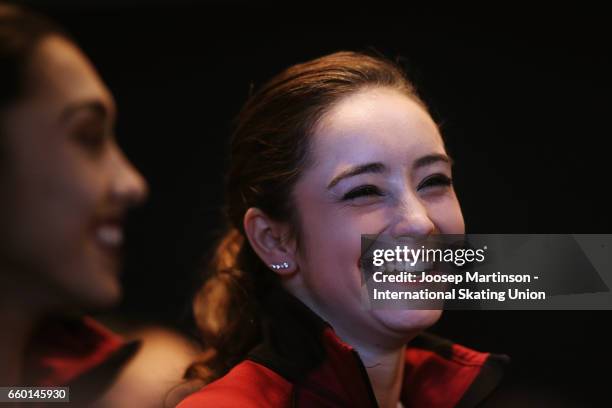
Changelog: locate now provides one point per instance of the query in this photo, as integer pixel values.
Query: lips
(408, 266)
(109, 237)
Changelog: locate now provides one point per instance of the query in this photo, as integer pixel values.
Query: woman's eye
(436, 180)
(92, 138)
(363, 191)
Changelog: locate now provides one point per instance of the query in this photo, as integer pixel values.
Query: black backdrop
(521, 92)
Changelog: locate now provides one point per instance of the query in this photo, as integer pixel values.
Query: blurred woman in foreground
(65, 188)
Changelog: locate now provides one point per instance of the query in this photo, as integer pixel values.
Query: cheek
(57, 201)
(330, 249)
(447, 216)
(71, 194)
(332, 242)
(75, 262)
(77, 198)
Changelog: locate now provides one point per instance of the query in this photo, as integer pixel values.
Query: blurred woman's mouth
(109, 237)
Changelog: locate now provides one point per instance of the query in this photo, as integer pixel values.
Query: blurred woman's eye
(436, 180)
(92, 137)
(362, 191)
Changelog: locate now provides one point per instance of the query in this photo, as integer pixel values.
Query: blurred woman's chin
(96, 287)
(106, 294)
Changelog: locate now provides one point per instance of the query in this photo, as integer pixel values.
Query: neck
(18, 316)
(17, 325)
(385, 368)
(384, 362)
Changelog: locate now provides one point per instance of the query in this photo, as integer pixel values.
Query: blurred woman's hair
(269, 152)
(21, 31)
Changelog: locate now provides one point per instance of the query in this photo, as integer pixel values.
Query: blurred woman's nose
(129, 186)
(412, 219)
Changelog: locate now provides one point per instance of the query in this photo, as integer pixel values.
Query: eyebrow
(378, 167)
(354, 171)
(94, 106)
(431, 159)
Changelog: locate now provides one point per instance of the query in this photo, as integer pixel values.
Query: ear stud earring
(283, 265)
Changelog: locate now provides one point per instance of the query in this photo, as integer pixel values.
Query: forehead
(58, 71)
(376, 124)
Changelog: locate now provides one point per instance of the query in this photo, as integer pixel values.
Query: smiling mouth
(109, 237)
(417, 267)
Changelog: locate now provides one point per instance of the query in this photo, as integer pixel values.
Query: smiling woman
(70, 184)
(326, 151)
(65, 188)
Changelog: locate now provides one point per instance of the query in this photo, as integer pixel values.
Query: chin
(100, 287)
(407, 322)
(101, 296)
(94, 287)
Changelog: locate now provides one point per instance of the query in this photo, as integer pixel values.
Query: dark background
(522, 94)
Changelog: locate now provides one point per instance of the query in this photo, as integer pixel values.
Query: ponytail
(226, 308)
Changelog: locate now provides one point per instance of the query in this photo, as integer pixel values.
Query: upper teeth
(110, 235)
(399, 266)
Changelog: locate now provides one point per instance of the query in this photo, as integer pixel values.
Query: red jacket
(78, 353)
(302, 363)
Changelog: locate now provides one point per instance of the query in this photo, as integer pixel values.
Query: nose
(129, 186)
(412, 220)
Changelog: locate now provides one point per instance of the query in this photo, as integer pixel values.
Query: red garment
(79, 353)
(289, 370)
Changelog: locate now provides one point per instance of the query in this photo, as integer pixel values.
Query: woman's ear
(270, 240)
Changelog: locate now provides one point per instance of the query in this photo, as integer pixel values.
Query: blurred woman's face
(65, 185)
(380, 167)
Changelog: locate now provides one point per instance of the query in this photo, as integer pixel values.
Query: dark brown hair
(20, 32)
(269, 151)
